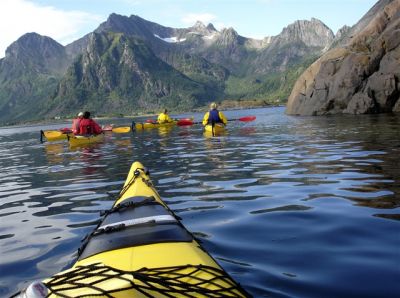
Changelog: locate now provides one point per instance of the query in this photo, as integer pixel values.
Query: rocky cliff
(359, 76)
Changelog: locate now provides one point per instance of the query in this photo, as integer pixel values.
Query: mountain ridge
(197, 65)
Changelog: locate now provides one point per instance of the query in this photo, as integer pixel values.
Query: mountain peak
(199, 25)
(33, 42)
(229, 31)
(202, 29)
(211, 27)
(312, 32)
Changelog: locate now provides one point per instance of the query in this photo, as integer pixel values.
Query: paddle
(185, 122)
(244, 119)
(65, 130)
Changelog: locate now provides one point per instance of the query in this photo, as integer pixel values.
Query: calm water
(289, 206)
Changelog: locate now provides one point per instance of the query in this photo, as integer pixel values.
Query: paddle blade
(151, 121)
(184, 122)
(247, 118)
(107, 128)
(66, 130)
(186, 119)
(123, 129)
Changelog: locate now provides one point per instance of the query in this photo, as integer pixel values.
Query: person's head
(80, 114)
(213, 106)
(165, 111)
(86, 115)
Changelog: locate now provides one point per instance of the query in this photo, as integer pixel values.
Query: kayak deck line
(139, 248)
(145, 222)
(139, 221)
(128, 203)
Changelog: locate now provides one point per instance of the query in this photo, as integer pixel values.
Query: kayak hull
(78, 140)
(150, 125)
(144, 251)
(217, 129)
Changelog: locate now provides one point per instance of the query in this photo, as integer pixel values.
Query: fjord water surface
(289, 206)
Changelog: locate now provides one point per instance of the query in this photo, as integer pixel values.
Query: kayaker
(75, 123)
(214, 116)
(87, 126)
(164, 117)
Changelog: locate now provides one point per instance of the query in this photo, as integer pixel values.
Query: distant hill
(129, 65)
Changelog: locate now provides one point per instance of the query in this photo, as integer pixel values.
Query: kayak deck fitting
(140, 249)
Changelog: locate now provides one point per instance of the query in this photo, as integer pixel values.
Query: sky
(68, 20)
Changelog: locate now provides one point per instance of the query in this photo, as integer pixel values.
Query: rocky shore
(360, 76)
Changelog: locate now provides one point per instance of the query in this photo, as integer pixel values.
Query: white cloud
(18, 17)
(192, 18)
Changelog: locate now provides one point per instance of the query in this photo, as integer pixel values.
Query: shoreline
(222, 106)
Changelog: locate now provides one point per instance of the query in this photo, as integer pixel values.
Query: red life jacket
(89, 127)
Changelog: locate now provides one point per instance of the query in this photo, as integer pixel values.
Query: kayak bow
(54, 135)
(140, 249)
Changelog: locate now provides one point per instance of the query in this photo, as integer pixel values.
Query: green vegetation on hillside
(271, 89)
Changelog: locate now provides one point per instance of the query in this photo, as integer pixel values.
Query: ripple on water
(289, 206)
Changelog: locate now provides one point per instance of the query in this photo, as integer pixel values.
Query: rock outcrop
(360, 77)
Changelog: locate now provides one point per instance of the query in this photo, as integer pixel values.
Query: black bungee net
(175, 281)
(94, 280)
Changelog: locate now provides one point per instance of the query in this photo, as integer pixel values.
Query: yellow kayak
(217, 129)
(150, 125)
(155, 124)
(140, 249)
(54, 135)
(78, 140)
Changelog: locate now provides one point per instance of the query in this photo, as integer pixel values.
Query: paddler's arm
(205, 119)
(223, 118)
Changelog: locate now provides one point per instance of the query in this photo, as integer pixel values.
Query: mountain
(360, 74)
(293, 44)
(130, 65)
(120, 73)
(30, 72)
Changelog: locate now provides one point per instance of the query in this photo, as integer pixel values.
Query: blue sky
(68, 20)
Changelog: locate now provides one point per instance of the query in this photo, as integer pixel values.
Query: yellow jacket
(164, 118)
(220, 114)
